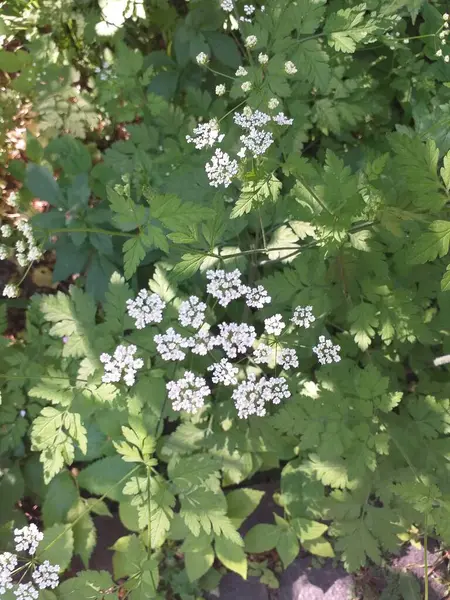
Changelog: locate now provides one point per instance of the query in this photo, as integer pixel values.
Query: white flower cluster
(303, 316)
(206, 134)
(170, 345)
(26, 591)
(251, 41)
(225, 286)
(27, 539)
(220, 89)
(202, 342)
(227, 5)
(8, 562)
(192, 312)
(121, 364)
(274, 324)
(241, 72)
(145, 309)
(256, 139)
(202, 58)
(46, 576)
(224, 372)
(287, 358)
(257, 297)
(249, 9)
(26, 249)
(326, 351)
(263, 354)
(11, 290)
(290, 68)
(188, 393)
(221, 169)
(236, 338)
(443, 35)
(251, 396)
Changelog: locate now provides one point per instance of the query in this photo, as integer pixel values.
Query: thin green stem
(89, 230)
(221, 74)
(425, 556)
(232, 110)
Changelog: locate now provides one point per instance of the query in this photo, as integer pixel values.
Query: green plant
(319, 180)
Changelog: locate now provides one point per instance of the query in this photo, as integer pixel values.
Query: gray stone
(412, 561)
(300, 581)
(233, 587)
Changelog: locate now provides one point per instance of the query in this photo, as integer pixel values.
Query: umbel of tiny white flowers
(206, 135)
(27, 539)
(145, 309)
(202, 58)
(290, 68)
(221, 169)
(11, 290)
(220, 89)
(121, 365)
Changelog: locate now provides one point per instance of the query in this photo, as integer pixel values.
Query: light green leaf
(42, 184)
(431, 244)
(445, 171)
(198, 563)
(241, 503)
(231, 555)
(306, 529)
(57, 546)
(262, 537)
(364, 319)
(94, 585)
(287, 547)
(188, 266)
(445, 283)
(104, 475)
(319, 547)
(85, 538)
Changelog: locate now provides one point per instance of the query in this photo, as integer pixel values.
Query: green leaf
(261, 538)
(255, 193)
(12, 488)
(92, 585)
(129, 555)
(85, 538)
(364, 320)
(287, 547)
(445, 171)
(62, 495)
(409, 587)
(198, 563)
(11, 62)
(241, 503)
(445, 283)
(188, 266)
(57, 546)
(431, 244)
(319, 547)
(306, 529)
(68, 154)
(134, 253)
(314, 64)
(41, 183)
(104, 475)
(224, 49)
(127, 214)
(231, 555)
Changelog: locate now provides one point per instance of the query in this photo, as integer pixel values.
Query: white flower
(34, 253)
(6, 230)
(206, 135)
(274, 324)
(227, 5)
(220, 89)
(188, 393)
(447, 58)
(4, 252)
(201, 342)
(221, 169)
(8, 562)
(326, 352)
(439, 53)
(170, 345)
(446, 16)
(257, 141)
(46, 576)
(145, 309)
(236, 338)
(249, 9)
(273, 103)
(121, 364)
(224, 372)
(202, 58)
(251, 41)
(11, 290)
(12, 200)
(263, 58)
(246, 86)
(241, 72)
(27, 539)
(257, 297)
(250, 120)
(225, 285)
(287, 358)
(263, 354)
(251, 396)
(303, 316)
(290, 68)
(192, 312)
(26, 591)
(282, 119)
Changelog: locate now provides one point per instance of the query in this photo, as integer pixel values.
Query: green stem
(221, 74)
(90, 230)
(425, 556)
(232, 110)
